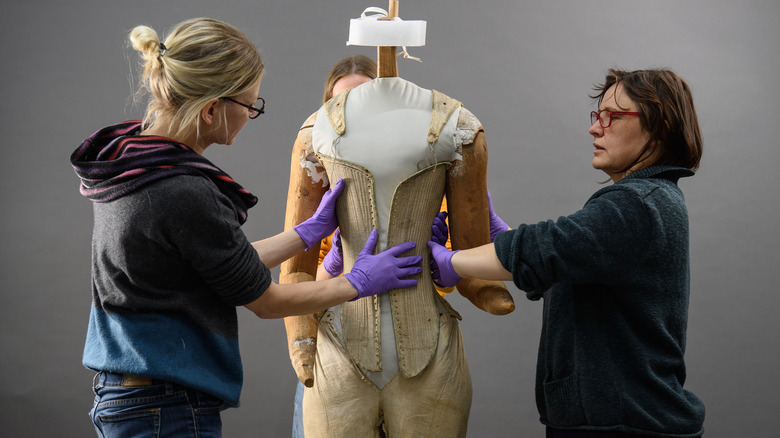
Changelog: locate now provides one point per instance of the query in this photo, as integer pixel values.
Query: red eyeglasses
(607, 115)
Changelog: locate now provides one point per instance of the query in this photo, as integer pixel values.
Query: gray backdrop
(524, 68)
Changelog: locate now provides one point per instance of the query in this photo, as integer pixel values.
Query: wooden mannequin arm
(469, 223)
(303, 196)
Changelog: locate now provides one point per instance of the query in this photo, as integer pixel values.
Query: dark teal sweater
(615, 280)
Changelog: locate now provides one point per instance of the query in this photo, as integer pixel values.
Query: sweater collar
(115, 162)
(672, 173)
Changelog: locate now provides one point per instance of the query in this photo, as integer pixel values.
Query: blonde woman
(170, 261)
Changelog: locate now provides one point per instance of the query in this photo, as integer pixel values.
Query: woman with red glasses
(614, 276)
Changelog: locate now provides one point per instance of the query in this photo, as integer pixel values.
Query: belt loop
(95, 381)
(168, 388)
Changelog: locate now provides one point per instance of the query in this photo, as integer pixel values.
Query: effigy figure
(392, 365)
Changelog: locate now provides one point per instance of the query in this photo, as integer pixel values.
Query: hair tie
(163, 49)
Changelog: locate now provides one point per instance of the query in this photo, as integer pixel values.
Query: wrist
(354, 287)
(452, 262)
(306, 236)
(455, 254)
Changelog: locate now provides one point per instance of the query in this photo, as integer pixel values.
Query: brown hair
(666, 112)
(358, 64)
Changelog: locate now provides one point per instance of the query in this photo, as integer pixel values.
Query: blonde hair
(201, 60)
(358, 64)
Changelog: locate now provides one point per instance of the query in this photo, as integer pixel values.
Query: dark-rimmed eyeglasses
(605, 116)
(254, 112)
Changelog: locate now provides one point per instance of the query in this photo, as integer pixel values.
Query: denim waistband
(105, 378)
(110, 381)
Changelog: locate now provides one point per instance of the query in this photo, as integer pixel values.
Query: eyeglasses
(607, 115)
(253, 111)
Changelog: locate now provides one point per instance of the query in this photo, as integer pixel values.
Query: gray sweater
(170, 264)
(615, 281)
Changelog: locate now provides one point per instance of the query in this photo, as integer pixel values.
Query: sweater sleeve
(598, 244)
(203, 226)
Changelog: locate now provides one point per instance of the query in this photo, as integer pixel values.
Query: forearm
(276, 249)
(322, 273)
(281, 300)
(480, 262)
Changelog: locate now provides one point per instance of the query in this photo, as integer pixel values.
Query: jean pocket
(118, 420)
(563, 402)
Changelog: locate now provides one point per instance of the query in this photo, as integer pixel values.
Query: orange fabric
(325, 246)
(445, 290)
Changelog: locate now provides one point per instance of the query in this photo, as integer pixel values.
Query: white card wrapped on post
(379, 30)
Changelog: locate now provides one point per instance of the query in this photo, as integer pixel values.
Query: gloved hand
(439, 230)
(333, 262)
(497, 225)
(441, 265)
(324, 221)
(374, 274)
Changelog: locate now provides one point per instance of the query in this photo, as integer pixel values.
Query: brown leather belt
(131, 380)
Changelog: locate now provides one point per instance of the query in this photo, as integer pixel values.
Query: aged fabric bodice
(392, 142)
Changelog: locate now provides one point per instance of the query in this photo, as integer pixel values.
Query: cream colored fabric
(414, 311)
(334, 108)
(443, 108)
(393, 362)
(382, 135)
(344, 403)
(356, 211)
(465, 131)
(386, 127)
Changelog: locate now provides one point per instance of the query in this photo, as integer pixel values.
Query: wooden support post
(387, 66)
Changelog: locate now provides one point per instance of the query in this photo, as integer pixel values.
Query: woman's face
(237, 116)
(620, 144)
(349, 81)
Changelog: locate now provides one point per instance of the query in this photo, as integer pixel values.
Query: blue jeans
(158, 409)
(297, 429)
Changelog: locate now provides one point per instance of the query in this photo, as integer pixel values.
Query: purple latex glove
(441, 265)
(333, 262)
(439, 230)
(497, 225)
(374, 274)
(324, 221)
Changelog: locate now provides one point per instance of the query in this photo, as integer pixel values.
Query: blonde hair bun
(202, 59)
(145, 40)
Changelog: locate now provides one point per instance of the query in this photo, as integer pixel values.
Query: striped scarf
(114, 162)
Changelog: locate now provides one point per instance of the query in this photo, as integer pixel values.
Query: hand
(334, 259)
(439, 230)
(497, 225)
(441, 265)
(374, 274)
(324, 221)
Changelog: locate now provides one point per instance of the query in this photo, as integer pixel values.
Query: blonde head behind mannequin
(351, 65)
